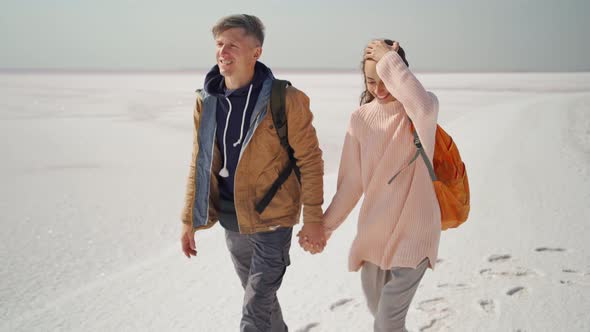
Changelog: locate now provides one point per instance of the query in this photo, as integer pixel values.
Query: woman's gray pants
(389, 294)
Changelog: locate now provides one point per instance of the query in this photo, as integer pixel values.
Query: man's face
(236, 52)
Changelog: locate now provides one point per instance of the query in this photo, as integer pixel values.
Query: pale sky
(444, 35)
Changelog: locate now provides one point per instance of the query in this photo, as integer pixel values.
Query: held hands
(378, 48)
(312, 238)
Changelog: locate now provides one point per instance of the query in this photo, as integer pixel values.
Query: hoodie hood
(215, 82)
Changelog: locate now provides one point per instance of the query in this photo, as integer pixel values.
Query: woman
(399, 222)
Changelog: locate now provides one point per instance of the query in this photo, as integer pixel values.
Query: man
(237, 156)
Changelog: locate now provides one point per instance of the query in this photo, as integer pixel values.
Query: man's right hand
(187, 240)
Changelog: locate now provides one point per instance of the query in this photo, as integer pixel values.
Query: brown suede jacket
(261, 160)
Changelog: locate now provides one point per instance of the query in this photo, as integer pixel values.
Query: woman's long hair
(366, 96)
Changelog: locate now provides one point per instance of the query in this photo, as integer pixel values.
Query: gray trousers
(260, 261)
(389, 294)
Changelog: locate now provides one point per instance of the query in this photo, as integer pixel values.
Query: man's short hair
(251, 25)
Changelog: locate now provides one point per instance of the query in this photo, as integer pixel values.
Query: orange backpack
(450, 180)
(448, 177)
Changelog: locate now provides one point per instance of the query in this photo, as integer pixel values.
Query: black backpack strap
(277, 107)
(279, 119)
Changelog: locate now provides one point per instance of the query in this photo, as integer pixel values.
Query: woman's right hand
(378, 48)
(311, 238)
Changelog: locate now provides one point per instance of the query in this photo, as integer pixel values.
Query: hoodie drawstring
(244, 117)
(224, 172)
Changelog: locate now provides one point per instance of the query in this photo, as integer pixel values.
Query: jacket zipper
(240, 158)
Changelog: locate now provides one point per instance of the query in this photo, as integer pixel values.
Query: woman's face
(375, 86)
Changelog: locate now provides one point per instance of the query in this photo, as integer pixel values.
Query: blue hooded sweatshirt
(234, 109)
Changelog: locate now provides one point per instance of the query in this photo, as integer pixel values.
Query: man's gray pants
(260, 261)
(389, 294)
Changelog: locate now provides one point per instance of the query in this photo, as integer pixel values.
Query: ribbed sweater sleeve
(349, 187)
(420, 105)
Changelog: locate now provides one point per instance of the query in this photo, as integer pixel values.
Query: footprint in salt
(498, 258)
(339, 303)
(308, 327)
(569, 271)
(453, 286)
(544, 249)
(431, 304)
(436, 324)
(487, 305)
(434, 306)
(516, 272)
(515, 290)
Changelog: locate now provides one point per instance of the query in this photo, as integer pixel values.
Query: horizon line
(276, 69)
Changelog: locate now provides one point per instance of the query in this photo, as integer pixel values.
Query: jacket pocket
(285, 202)
(265, 137)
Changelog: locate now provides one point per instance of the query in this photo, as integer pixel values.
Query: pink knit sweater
(399, 223)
